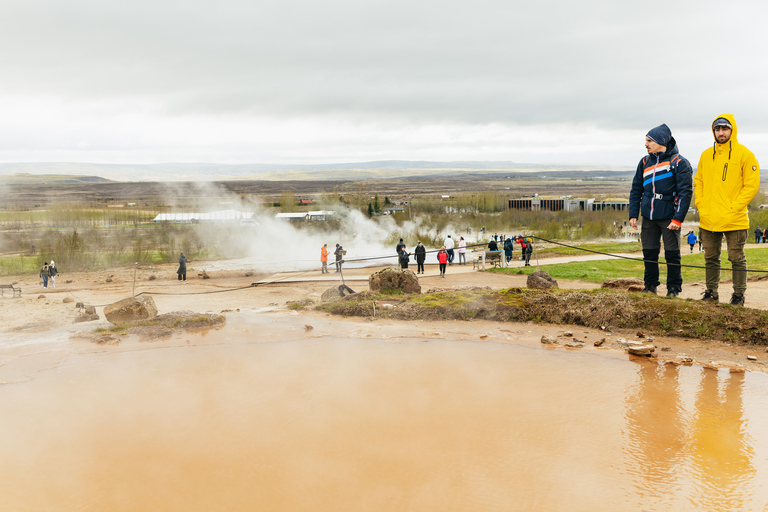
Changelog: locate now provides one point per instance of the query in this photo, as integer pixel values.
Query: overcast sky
(353, 80)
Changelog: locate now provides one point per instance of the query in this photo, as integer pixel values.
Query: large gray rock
(541, 279)
(129, 310)
(336, 292)
(645, 349)
(624, 283)
(394, 279)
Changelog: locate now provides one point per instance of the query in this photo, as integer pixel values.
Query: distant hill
(385, 169)
(58, 179)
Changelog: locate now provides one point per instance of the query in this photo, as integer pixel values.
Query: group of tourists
(526, 247)
(339, 252)
(445, 256)
(761, 235)
(48, 273)
(727, 179)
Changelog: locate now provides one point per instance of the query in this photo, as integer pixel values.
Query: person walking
(449, 249)
(442, 259)
(758, 235)
(727, 179)
(661, 193)
(324, 259)
(421, 255)
(338, 254)
(692, 240)
(462, 251)
(182, 271)
(52, 273)
(765, 235)
(44, 274)
(508, 247)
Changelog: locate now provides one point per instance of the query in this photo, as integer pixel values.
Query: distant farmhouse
(567, 203)
(196, 218)
(319, 215)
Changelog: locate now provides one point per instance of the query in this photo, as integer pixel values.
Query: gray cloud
(614, 65)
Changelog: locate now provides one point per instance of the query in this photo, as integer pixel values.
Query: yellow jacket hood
(727, 178)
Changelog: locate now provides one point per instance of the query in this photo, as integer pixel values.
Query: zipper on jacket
(653, 184)
(725, 170)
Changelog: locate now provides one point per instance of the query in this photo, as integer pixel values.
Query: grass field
(599, 271)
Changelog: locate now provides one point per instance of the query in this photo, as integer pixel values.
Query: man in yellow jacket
(727, 179)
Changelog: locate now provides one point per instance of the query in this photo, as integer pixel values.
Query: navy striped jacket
(662, 187)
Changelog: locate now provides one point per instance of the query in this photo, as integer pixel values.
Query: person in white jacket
(449, 249)
(462, 251)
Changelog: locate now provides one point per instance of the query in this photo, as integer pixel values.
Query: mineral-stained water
(267, 414)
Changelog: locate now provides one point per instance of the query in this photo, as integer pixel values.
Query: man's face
(653, 147)
(722, 134)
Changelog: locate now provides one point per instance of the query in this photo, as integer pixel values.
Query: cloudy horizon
(342, 81)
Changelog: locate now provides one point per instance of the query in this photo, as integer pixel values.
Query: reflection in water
(261, 416)
(722, 458)
(655, 445)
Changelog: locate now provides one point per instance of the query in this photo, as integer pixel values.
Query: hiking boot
(710, 296)
(672, 293)
(649, 289)
(737, 299)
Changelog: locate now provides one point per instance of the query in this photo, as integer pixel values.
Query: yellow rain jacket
(727, 179)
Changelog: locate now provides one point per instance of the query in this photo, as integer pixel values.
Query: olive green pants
(712, 243)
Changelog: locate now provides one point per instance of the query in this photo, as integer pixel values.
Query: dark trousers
(442, 268)
(182, 276)
(651, 234)
(450, 255)
(419, 266)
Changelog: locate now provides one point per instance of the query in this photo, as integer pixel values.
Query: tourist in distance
(403, 258)
(661, 193)
(758, 235)
(44, 274)
(462, 251)
(324, 259)
(492, 246)
(442, 259)
(338, 255)
(52, 273)
(508, 249)
(727, 179)
(182, 271)
(448, 244)
(692, 240)
(421, 255)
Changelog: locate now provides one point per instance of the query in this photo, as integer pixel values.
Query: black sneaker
(649, 289)
(710, 296)
(737, 299)
(672, 293)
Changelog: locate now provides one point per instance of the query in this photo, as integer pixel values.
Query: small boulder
(67, 300)
(41, 296)
(152, 277)
(109, 279)
(574, 344)
(131, 310)
(541, 280)
(86, 316)
(68, 281)
(624, 283)
(646, 349)
(548, 339)
(394, 279)
(336, 292)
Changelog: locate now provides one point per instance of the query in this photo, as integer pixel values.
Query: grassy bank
(599, 271)
(606, 309)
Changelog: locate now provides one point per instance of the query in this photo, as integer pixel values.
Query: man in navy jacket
(661, 193)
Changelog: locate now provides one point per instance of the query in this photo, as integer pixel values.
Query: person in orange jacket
(324, 258)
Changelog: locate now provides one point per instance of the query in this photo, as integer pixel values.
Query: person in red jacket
(442, 259)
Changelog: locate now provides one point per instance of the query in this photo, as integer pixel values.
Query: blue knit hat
(661, 135)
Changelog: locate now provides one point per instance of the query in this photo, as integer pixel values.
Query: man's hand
(633, 223)
(673, 226)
